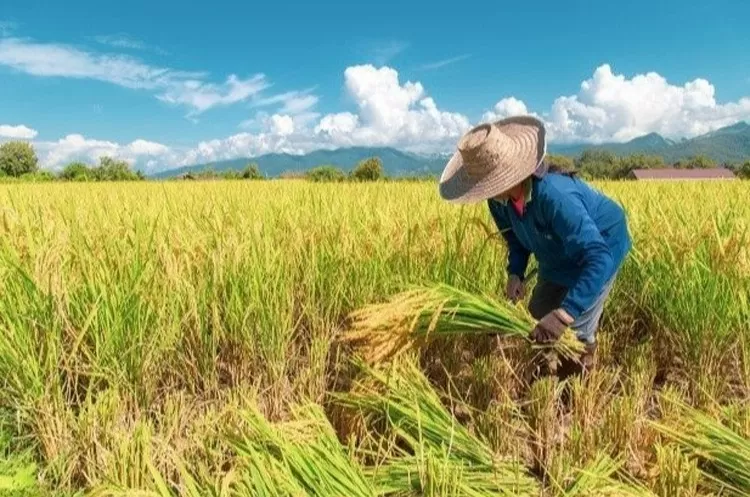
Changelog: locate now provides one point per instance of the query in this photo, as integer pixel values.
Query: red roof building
(683, 174)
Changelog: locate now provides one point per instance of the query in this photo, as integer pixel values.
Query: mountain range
(730, 144)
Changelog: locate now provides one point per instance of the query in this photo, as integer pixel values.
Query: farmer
(578, 235)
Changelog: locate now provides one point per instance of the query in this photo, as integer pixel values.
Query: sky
(165, 84)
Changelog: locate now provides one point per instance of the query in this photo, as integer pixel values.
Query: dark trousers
(548, 296)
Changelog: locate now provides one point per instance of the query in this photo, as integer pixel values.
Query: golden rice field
(181, 339)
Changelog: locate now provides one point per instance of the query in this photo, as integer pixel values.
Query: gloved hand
(515, 290)
(551, 327)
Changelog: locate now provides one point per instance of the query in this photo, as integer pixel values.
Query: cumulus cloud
(19, 132)
(175, 87)
(612, 107)
(75, 147)
(337, 126)
(245, 145)
(390, 113)
(506, 107)
(282, 125)
(144, 147)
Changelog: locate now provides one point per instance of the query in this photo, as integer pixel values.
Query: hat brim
(529, 137)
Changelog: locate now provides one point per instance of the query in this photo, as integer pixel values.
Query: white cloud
(19, 132)
(442, 63)
(76, 147)
(144, 147)
(337, 126)
(382, 52)
(612, 107)
(42, 59)
(282, 125)
(122, 40)
(292, 102)
(506, 107)
(298, 105)
(389, 114)
(243, 145)
(203, 96)
(175, 87)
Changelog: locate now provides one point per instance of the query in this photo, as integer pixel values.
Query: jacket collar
(528, 183)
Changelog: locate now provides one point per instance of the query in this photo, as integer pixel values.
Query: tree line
(18, 160)
(604, 165)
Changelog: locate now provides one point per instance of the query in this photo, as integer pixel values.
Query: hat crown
(481, 150)
(492, 158)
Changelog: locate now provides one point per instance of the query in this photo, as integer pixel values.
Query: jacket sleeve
(518, 256)
(582, 243)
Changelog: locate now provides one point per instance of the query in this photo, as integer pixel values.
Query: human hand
(551, 327)
(516, 289)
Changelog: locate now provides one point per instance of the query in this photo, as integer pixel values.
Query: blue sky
(166, 83)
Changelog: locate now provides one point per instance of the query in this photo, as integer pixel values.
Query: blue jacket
(578, 236)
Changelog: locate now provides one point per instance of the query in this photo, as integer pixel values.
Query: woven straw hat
(492, 158)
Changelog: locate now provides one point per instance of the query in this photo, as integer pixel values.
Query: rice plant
(159, 304)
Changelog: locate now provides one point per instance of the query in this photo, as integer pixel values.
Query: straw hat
(492, 158)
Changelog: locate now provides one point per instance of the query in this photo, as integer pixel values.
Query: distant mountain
(652, 143)
(395, 162)
(726, 145)
(730, 144)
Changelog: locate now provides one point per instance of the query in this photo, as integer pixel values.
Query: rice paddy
(186, 339)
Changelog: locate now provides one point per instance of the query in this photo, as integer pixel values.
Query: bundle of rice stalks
(434, 473)
(412, 318)
(297, 458)
(428, 436)
(597, 479)
(724, 454)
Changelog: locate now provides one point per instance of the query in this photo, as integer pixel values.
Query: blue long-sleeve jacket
(578, 236)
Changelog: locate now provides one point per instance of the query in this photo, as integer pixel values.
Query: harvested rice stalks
(724, 453)
(437, 455)
(297, 458)
(412, 318)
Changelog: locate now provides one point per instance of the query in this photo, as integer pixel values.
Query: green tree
(38, 176)
(368, 170)
(744, 170)
(696, 162)
(325, 174)
(17, 158)
(110, 169)
(636, 161)
(230, 174)
(76, 171)
(560, 163)
(252, 171)
(598, 164)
